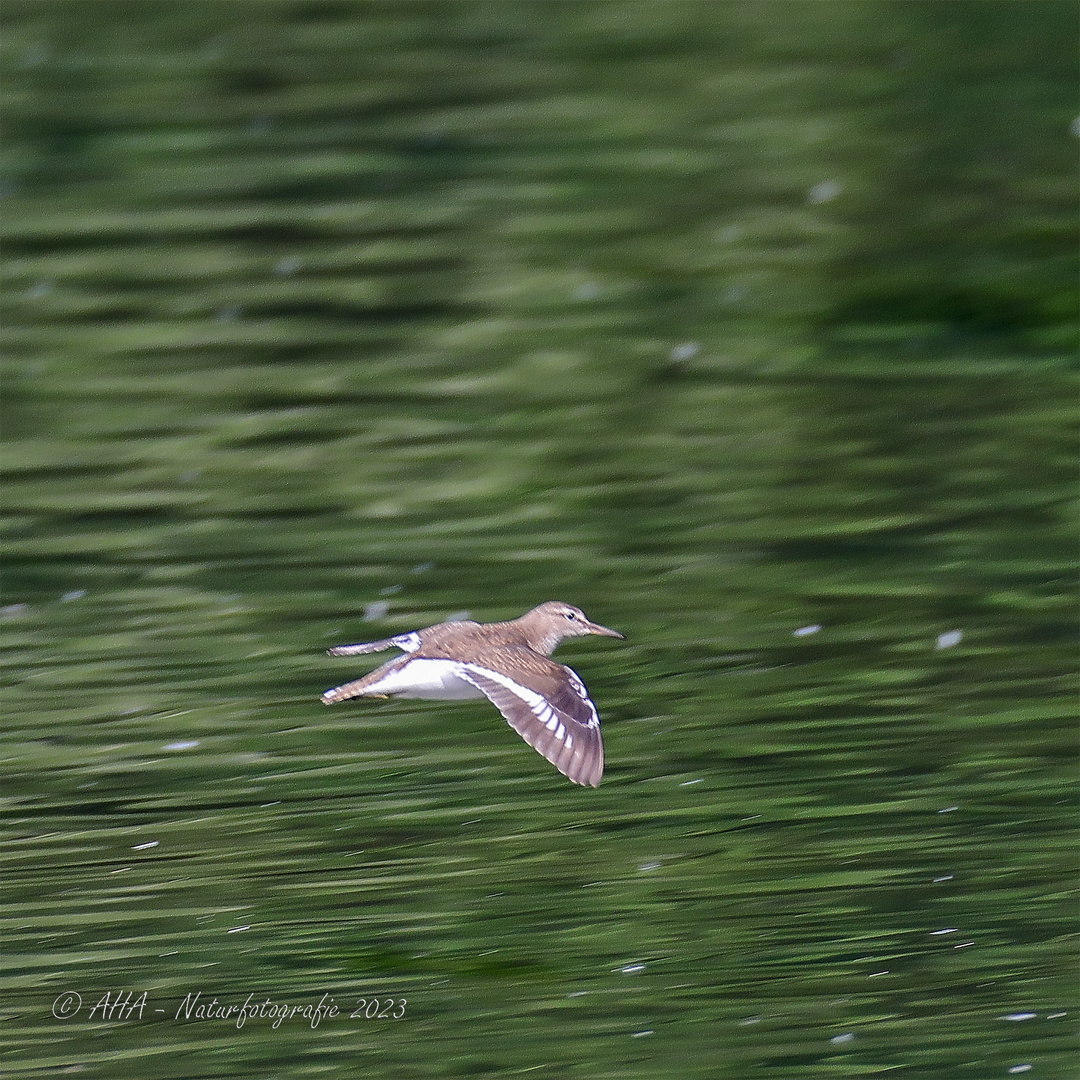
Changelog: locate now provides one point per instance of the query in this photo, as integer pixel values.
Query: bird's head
(555, 621)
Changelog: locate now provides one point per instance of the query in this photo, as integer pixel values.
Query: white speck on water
(949, 639)
(143, 847)
(824, 192)
(806, 631)
(947, 877)
(947, 930)
(36, 54)
(728, 234)
(1074, 127)
(75, 594)
(1013, 1069)
(746, 1021)
(457, 616)
(230, 313)
(647, 867)
(375, 611)
(214, 49)
(577, 993)
(632, 969)
(589, 291)
(183, 744)
(391, 590)
(839, 1040)
(642, 1034)
(13, 611)
(964, 945)
(423, 568)
(733, 294)
(876, 974)
(685, 351)
(687, 783)
(948, 809)
(39, 291)
(287, 267)
(1016, 1017)
(238, 929)
(431, 139)
(1056, 1016)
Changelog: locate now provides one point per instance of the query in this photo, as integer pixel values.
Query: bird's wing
(552, 713)
(406, 642)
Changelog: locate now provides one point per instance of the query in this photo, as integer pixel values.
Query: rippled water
(749, 328)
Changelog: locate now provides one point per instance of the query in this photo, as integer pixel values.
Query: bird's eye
(571, 615)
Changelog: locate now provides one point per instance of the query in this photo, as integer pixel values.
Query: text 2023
(376, 1009)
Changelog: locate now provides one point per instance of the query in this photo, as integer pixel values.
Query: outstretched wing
(405, 642)
(560, 723)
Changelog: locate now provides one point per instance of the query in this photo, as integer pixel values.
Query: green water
(750, 328)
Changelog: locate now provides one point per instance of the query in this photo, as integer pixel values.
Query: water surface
(749, 328)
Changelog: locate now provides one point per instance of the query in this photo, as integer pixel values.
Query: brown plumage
(508, 662)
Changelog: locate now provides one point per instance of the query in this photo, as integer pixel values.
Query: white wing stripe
(407, 642)
(579, 689)
(544, 726)
(536, 702)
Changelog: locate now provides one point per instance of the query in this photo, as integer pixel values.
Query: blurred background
(750, 328)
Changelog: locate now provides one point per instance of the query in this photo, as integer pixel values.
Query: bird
(509, 663)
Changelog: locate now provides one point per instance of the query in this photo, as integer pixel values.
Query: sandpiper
(508, 663)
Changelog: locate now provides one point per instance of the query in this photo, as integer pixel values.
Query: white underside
(433, 679)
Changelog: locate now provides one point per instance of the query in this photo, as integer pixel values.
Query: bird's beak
(603, 631)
